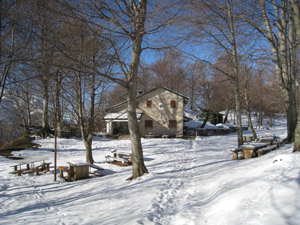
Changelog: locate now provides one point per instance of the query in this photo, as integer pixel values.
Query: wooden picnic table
(78, 170)
(123, 157)
(249, 150)
(30, 167)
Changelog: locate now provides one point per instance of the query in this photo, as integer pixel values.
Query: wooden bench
(98, 168)
(265, 150)
(112, 158)
(235, 153)
(63, 169)
(45, 166)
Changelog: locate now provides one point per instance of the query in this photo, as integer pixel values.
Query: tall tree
(247, 82)
(43, 18)
(219, 24)
(272, 19)
(295, 5)
(126, 26)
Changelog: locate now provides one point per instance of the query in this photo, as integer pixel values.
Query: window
(172, 123)
(149, 103)
(148, 123)
(173, 104)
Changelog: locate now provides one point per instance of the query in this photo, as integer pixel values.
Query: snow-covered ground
(189, 182)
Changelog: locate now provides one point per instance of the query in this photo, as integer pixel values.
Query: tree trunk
(45, 124)
(291, 117)
(296, 17)
(238, 113)
(138, 166)
(87, 137)
(247, 103)
(88, 147)
(205, 120)
(226, 116)
(260, 116)
(281, 58)
(234, 59)
(251, 125)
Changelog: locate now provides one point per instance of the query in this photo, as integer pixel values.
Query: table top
(28, 161)
(267, 138)
(254, 145)
(78, 163)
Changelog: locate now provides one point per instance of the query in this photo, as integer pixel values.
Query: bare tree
(125, 24)
(169, 72)
(219, 24)
(192, 77)
(42, 16)
(272, 19)
(247, 99)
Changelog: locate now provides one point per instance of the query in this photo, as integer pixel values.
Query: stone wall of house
(160, 112)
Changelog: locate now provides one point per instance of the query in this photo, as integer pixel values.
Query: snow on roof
(189, 113)
(120, 116)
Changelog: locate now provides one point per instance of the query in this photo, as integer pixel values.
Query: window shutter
(172, 123)
(173, 104)
(149, 103)
(148, 123)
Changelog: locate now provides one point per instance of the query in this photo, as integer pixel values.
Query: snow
(189, 182)
(120, 116)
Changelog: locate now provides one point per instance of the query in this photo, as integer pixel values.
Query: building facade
(159, 112)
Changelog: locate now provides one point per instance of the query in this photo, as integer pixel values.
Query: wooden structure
(123, 157)
(235, 153)
(265, 150)
(249, 150)
(262, 146)
(248, 138)
(28, 166)
(77, 170)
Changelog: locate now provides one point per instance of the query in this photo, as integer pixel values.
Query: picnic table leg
(61, 173)
(48, 167)
(27, 166)
(234, 155)
(19, 172)
(37, 171)
(71, 173)
(242, 154)
(15, 168)
(248, 154)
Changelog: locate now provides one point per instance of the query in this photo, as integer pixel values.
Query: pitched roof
(177, 93)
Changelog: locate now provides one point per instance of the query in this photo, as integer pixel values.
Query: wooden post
(56, 117)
